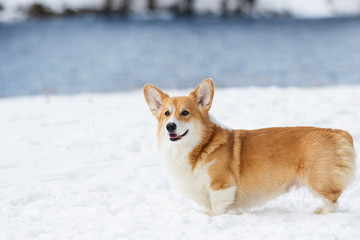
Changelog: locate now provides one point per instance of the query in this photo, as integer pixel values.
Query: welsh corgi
(225, 169)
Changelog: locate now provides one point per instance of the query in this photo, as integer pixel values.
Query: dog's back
(273, 160)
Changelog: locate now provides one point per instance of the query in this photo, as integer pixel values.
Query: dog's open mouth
(175, 137)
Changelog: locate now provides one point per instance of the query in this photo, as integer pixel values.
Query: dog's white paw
(207, 212)
(318, 211)
(211, 213)
(328, 207)
(324, 211)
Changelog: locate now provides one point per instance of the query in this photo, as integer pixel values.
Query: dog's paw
(235, 211)
(211, 213)
(328, 207)
(207, 212)
(324, 211)
(318, 211)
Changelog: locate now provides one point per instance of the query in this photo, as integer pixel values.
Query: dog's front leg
(221, 199)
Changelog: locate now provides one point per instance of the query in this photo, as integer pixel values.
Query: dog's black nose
(171, 127)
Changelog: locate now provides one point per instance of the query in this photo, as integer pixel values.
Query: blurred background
(76, 46)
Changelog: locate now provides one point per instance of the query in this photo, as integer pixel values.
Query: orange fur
(265, 162)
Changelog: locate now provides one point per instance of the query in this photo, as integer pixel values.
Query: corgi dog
(223, 169)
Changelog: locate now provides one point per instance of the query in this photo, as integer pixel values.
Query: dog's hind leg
(330, 174)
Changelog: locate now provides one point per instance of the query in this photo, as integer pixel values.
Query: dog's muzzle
(174, 137)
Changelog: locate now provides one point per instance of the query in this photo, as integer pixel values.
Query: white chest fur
(193, 183)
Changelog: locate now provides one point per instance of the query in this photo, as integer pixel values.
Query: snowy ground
(16, 9)
(86, 167)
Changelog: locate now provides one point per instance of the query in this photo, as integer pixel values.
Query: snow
(311, 8)
(14, 9)
(86, 167)
(298, 8)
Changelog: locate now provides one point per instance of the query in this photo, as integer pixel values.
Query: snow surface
(311, 8)
(14, 9)
(87, 167)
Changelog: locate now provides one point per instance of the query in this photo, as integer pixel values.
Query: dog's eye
(184, 113)
(167, 113)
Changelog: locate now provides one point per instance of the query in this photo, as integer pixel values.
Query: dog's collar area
(175, 137)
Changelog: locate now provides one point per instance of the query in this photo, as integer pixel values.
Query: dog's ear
(154, 98)
(204, 94)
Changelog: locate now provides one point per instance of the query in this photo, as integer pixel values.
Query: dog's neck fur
(213, 137)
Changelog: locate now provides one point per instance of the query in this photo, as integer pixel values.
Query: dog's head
(181, 119)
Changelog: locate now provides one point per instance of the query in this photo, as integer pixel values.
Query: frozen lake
(73, 55)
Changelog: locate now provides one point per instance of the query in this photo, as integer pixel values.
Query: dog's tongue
(174, 135)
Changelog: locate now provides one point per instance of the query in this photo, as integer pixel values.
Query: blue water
(73, 55)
